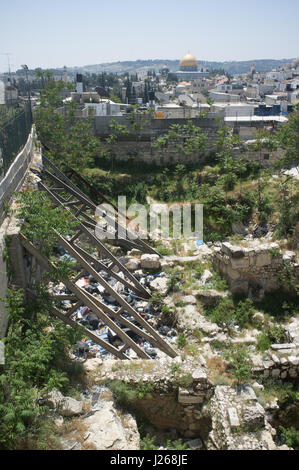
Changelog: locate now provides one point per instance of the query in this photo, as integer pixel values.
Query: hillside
(141, 66)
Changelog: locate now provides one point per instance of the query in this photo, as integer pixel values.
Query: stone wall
(176, 399)
(133, 151)
(254, 269)
(138, 145)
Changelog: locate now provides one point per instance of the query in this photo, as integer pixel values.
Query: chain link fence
(13, 136)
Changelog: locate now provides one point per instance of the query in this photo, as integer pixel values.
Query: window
(266, 156)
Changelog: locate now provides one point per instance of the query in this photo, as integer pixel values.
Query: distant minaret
(252, 68)
(64, 74)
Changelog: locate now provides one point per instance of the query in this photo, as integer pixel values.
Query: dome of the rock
(188, 62)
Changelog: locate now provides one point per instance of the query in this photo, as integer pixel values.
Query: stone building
(189, 69)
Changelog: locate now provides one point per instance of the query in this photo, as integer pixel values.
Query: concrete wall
(16, 173)
(12, 181)
(3, 277)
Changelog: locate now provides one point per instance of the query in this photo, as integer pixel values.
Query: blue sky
(49, 33)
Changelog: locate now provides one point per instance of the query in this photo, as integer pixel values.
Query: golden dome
(188, 61)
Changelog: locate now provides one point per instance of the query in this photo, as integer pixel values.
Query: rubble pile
(239, 422)
(150, 279)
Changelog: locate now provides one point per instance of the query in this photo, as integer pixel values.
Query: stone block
(253, 415)
(293, 360)
(293, 373)
(263, 258)
(233, 418)
(275, 373)
(186, 399)
(149, 261)
(278, 347)
(199, 375)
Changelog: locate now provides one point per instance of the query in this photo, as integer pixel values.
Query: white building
(104, 108)
(225, 97)
(224, 88)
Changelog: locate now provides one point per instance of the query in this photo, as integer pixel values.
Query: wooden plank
(163, 345)
(143, 334)
(99, 265)
(101, 342)
(73, 309)
(103, 249)
(94, 304)
(68, 184)
(106, 320)
(85, 299)
(100, 245)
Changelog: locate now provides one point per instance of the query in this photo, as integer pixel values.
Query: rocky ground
(194, 396)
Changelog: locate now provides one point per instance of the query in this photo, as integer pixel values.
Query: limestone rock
(209, 297)
(108, 430)
(160, 285)
(292, 331)
(70, 407)
(149, 261)
(132, 264)
(253, 415)
(207, 275)
(92, 364)
(233, 417)
(65, 406)
(53, 399)
(190, 317)
(188, 299)
(259, 318)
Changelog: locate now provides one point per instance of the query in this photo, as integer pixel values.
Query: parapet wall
(12, 181)
(255, 269)
(16, 173)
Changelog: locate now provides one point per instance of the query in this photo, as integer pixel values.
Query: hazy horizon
(72, 33)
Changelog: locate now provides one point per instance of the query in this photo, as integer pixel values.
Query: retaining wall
(12, 181)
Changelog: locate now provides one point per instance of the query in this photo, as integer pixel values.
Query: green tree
(69, 141)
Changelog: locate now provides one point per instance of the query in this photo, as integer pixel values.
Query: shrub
(181, 340)
(123, 393)
(175, 367)
(148, 443)
(226, 313)
(186, 380)
(177, 445)
(169, 316)
(273, 334)
(239, 364)
(290, 436)
(35, 362)
(263, 342)
(157, 300)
